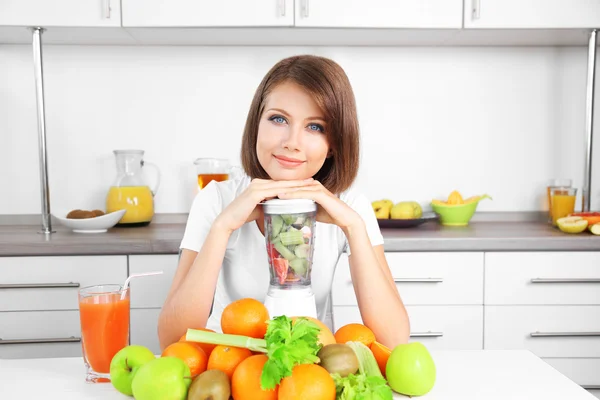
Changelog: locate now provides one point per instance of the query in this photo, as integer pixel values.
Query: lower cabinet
(583, 371)
(144, 328)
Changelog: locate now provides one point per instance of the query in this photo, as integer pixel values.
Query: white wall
(481, 120)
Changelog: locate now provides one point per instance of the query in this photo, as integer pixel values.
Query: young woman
(301, 140)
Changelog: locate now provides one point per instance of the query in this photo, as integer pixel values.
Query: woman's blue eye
(315, 127)
(278, 119)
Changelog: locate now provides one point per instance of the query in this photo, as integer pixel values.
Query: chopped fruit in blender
(299, 265)
(276, 225)
(271, 251)
(301, 251)
(291, 237)
(288, 219)
(281, 267)
(306, 232)
(284, 251)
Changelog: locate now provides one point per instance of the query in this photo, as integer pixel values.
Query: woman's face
(291, 141)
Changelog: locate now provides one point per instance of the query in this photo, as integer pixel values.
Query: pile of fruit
(579, 222)
(386, 209)
(258, 358)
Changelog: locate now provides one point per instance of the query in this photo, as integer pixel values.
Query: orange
(382, 354)
(208, 348)
(355, 333)
(226, 359)
(325, 336)
(308, 381)
(245, 382)
(247, 317)
(190, 353)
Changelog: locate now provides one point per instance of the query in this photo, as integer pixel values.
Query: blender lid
(291, 206)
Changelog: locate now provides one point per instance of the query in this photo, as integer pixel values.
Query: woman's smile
(287, 162)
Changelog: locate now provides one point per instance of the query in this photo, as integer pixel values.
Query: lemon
(595, 229)
(572, 224)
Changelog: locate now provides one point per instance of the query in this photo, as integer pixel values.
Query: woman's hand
(244, 208)
(331, 209)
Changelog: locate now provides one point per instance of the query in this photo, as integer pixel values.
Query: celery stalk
(247, 342)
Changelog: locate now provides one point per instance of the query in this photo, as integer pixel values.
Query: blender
(290, 234)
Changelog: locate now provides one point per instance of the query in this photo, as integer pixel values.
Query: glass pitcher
(214, 169)
(130, 191)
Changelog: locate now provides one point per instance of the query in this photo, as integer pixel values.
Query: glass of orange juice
(555, 183)
(104, 315)
(562, 202)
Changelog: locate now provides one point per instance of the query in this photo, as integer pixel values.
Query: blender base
(291, 303)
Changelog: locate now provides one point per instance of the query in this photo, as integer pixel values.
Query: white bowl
(90, 225)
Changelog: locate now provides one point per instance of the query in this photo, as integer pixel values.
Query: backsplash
(496, 120)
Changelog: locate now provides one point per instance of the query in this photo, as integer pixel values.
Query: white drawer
(437, 327)
(583, 371)
(595, 392)
(151, 291)
(423, 278)
(508, 278)
(54, 281)
(144, 328)
(558, 330)
(40, 326)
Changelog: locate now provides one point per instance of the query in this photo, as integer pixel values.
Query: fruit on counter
(246, 380)
(382, 355)
(595, 229)
(208, 348)
(572, 224)
(227, 358)
(190, 353)
(210, 385)
(307, 381)
(164, 378)
(592, 217)
(125, 365)
(84, 214)
(382, 208)
(325, 335)
(355, 332)
(339, 359)
(410, 370)
(406, 210)
(246, 317)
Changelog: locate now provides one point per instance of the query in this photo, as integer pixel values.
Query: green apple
(406, 210)
(164, 378)
(125, 364)
(410, 370)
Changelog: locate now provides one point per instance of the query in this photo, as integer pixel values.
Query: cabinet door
(151, 291)
(84, 13)
(207, 13)
(379, 13)
(144, 328)
(541, 14)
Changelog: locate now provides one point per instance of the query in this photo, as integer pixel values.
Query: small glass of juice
(562, 202)
(104, 315)
(555, 183)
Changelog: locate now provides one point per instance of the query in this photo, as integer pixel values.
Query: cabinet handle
(304, 8)
(71, 339)
(106, 4)
(565, 280)
(281, 8)
(591, 387)
(427, 334)
(39, 285)
(475, 9)
(418, 280)
(564, 334)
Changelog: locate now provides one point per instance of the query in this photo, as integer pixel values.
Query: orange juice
(205, 179)
(137, 200)
(104, 328)
(562, 206)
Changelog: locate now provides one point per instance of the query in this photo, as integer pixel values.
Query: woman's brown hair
(328, 84)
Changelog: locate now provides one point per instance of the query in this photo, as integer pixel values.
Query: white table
(461, 375)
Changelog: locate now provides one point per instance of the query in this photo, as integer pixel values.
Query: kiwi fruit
(210, 385)
(338, 358)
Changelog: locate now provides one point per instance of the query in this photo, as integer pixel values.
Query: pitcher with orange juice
(130, 191)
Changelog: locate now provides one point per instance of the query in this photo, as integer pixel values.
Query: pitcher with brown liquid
(214, 169)
(130, 191)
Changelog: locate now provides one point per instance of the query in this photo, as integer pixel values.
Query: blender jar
(289, 235)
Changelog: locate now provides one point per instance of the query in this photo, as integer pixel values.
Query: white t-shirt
(245, 272)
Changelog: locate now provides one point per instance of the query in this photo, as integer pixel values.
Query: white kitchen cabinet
(144, 328)
(423, 278)
(583, 371)
(49, 333)
(151, 291)
(52, 283)
(547, 331)
(206, 13)
(379, 13)
(64, 13)
(543, 278)
(532, 14)
(437, 327)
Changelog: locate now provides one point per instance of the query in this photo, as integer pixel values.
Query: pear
(406, 210)
(382, 208)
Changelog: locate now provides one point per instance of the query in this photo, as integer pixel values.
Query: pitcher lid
(291, 206)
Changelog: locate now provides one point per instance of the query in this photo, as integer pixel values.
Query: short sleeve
(362, 206)
(206, 207)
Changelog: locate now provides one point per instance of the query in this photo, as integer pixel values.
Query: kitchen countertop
(461, 375)
(19, 237)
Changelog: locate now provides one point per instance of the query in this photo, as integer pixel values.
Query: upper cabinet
(379, 13)
(208, 13)
(532, 14)
(63, 13)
